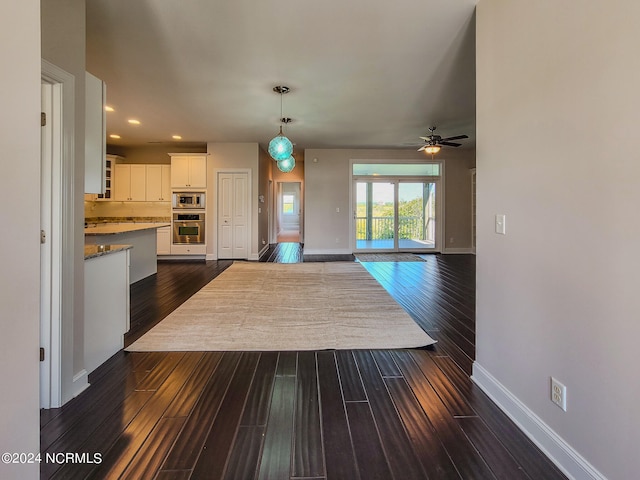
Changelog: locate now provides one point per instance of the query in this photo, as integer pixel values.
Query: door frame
(57, 380)
(278, 207)
(440, 198)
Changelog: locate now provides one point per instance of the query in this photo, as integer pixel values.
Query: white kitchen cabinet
(158, 183)
(188, 170)
(164, 241)
(130, 182)
(185, 249)
(95, 135)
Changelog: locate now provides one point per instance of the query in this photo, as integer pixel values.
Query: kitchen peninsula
(141, 236)
(106, 301)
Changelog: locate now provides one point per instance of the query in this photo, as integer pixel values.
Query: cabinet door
(95, 135)
(154, 183)
(165, 184)
(122, 183)
(164, 241)
(158, 183)
(138, 182)
(198, 171)
(179, 171)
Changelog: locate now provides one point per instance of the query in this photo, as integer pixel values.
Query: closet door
(233, 215)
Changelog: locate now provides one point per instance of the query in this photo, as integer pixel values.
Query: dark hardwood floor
(362, 414)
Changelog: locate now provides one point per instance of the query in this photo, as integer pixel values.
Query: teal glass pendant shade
(287, 164)
(280, 147)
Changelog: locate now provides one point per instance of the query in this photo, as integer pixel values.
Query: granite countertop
(93, 251)
(115, 228)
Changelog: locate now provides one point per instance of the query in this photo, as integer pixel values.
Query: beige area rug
(276, 306)
(388, 257)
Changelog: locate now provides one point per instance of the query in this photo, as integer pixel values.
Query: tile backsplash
(105, 211)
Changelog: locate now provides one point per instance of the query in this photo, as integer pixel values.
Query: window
(397, 169)
(287, 204)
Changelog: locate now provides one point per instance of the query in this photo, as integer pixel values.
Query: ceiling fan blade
(422, 148)
(457, 137)
(426, 139)
(449, 144)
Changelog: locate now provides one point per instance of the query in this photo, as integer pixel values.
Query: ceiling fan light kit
(280, 147)
(432, 149)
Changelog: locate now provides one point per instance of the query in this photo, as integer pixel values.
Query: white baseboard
(328, 251)
(80, 382)
(457, 250)
(572, 464)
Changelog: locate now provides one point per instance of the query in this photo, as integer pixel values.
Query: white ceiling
(362, 73)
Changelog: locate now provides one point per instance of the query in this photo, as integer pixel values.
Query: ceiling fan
(434, 142)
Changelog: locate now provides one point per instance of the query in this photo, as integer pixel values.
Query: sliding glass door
(394, 215)
(375, 216)
(416, 215)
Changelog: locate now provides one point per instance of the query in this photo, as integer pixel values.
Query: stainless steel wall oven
(188, 228)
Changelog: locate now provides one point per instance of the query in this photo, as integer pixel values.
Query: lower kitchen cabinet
(187, 249)
(164, 241)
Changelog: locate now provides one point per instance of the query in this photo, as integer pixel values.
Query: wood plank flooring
(368, 414)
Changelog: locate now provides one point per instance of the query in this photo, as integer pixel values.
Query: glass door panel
(416, 215)
(375, 216)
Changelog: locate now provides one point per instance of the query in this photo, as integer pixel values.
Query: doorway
(289, 212)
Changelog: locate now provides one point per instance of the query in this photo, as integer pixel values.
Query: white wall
(19, 292)
(326, 187)
(557, 127)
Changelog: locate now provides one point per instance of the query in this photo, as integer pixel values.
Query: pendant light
(286, 165)
(280, 147)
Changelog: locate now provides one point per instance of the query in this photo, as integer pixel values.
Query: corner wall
(557, 121)
(19, 292)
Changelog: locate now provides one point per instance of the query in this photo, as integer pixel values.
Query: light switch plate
(500, 224)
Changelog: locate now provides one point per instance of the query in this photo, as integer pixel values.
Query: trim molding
(326, 251)
(572, 464)
(80, 382)
(466, 250)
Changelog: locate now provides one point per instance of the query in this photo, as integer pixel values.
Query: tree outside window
(287, 204)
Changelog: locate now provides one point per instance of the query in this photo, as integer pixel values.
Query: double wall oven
(188, 218)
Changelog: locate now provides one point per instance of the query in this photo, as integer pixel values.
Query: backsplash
(114, 212)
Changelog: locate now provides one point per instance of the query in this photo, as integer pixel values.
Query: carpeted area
(256, 306)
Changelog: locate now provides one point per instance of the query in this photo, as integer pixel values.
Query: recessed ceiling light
(114, 136)
(108, 108)
(176, 137)
(133, 121)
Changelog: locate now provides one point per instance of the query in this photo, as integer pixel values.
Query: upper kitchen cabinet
(188, 170)
(130, 182)
(95, 135)
(158, 183)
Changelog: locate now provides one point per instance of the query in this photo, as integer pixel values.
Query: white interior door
(233, 215)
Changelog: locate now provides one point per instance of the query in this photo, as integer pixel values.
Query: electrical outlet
(559, 394)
